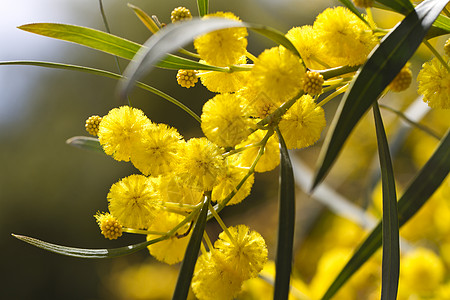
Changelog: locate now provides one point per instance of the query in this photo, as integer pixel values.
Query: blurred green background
(49, 190)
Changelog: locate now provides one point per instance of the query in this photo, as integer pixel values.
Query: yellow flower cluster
(238, 255)
(180, 14)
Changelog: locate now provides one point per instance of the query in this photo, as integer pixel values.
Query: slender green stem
(189, 53)
(438, 56)
(207, 240)
(424, 128)
(370, 18)
(319, 61)
(275, 117)
(333, 95)
(222, 224)
(251, 170)
(108, 30)
(339, 71)
(141, 231)
(251, 56)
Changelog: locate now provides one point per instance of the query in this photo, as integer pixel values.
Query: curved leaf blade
(191, 254)
(378, 71)
(416, 195)
(85, 36)
(286, 224)
(85, 253)
(174, 36)
(145, 19)
(203, 7)
(110, 44)
(391, 244)
(86, 143)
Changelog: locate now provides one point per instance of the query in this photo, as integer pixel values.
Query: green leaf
(349, 4)
(286, 224)
(203, 7)
(174, 36)
(440, 27)
(391, 246)
(400, 6)
(145, 19)
(104, 74)
(109, 43)
(379, 70)
(85, 142)
(418, 192)
(85, 253)
(87, 37)
(191, 254)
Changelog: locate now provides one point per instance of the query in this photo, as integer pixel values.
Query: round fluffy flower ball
(305, 41)
(200, 164)
(157, 154)
(434, 84)
(171, 250)
(303, 123)
(278, 73)
(225, 121)
(222, 47)
(214, 278)
(133, 201)
(346, 39)
(120, 130)
(247, 253)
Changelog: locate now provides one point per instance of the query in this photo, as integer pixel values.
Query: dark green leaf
(391, 246)
(85, 253)
(203, 7)
(379, 70)
(85, 142)
(176, 35)
(418, 192)
(400, 6)
(286, 224)
(191, 254)
(349, 4)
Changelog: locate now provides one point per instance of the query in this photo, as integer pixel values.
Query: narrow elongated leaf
(104, 74)
(110, 44)
(418, 192)
(286, 224)
(379, 70)
(145, 19)
(349, 4)
(85, 253)
(87, 37)
(391, 247)
(85, 142)
(191, 254)
(203, 7)
(440, 27)
(176, 35)
(400, 6)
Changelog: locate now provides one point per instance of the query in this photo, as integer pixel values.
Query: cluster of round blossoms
(256, 97)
